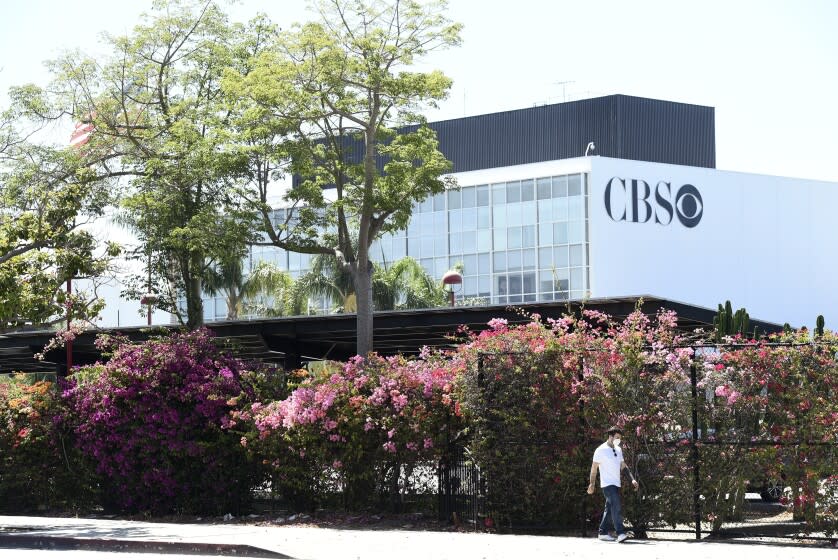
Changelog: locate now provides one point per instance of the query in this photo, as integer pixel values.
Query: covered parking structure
(292, 341)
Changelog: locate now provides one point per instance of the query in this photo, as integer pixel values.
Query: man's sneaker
(607, 537)
(621, 537)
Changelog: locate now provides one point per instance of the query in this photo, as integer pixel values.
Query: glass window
(454, 199)
(413, 248)
(428, 265)
(441, 245)
(482, 195)
(427, 249)
(545, 210)
(499, 239)
(560, 186)
(399, 248)
(469, 286)
(574, 185)
(529, 212)
(484, 284)
(527, 190)
(454, 260)
(543, 188)
(575, 208)
(498, 194)
(439, 202)
(499, 216)
(501, 288)
(500, 261)
(545, 234)
(469, 218)
(440, 223)
(515, 288)
(513, 191)
(427, 205)
(484, 218)
(455, 244)
(528, 259)
(576, 279)
(560, 257)
(455, 220)
(576, 232)
(513, 261)
(484, 240)
(469, 241)
(560, 233)
(545, 257)
(470, 264)
(576, 255)
(528, 236)
(528, 282)
(440, 268)
(560, 209)
(469, 197)
(513, 214)
(514, 238)
(483, 263)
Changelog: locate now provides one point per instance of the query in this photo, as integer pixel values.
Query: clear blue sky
(768, 67)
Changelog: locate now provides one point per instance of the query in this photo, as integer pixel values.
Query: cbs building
(540, 215)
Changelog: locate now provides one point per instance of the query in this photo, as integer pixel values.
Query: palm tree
(405, 285)
(402, 285)
(267, 288)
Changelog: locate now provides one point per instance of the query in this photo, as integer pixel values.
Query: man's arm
(633, 480)
(592, 485)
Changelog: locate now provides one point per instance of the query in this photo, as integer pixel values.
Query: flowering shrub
(151, 421)
(360, 428)
(34, 456)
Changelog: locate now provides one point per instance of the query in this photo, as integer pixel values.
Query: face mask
(617, 441)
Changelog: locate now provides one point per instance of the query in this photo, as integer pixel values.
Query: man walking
(608, 460)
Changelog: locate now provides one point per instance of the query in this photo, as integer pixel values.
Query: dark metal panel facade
(621, 126)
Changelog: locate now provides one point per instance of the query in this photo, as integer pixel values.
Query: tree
(329, 98)
(48, 195)
(156, 101)
(267, 290)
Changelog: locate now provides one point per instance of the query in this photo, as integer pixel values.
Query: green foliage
(819, 324)
(347, 76)
(47, 195)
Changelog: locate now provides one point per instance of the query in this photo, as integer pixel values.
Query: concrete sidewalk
(233, 539)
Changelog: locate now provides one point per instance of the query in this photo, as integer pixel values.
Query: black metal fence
(730, 485)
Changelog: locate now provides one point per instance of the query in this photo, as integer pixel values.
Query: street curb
(45, 542)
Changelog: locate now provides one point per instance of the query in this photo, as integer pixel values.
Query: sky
(768, 67)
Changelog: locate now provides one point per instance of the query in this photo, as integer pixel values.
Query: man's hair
(614, 430)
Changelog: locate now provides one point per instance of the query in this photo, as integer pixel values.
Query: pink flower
(390, 446)
(497, 324)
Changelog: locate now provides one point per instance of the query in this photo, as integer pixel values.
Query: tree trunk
(363, 299)
(192, 283)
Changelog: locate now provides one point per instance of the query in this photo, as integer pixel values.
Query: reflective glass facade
(518, 241)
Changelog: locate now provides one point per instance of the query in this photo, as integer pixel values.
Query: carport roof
(289, 341)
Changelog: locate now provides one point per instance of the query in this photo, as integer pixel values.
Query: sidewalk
(239, 540)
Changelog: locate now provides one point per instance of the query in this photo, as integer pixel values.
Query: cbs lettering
(634, 200)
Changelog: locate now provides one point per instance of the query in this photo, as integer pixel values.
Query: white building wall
(766, 243)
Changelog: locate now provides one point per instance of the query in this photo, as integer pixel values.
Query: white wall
(766, 243)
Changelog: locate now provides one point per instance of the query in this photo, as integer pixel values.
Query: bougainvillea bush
(359, 428)
(153, 423)
(35, 457)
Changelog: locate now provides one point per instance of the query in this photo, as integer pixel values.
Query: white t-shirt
(609, 464)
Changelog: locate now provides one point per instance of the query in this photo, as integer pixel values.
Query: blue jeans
(613, 515)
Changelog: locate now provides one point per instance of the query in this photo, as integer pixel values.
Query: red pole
(149, 314)
(69, 320)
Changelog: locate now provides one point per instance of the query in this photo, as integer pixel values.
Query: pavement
(314, 543)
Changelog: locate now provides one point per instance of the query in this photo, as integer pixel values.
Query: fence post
(582, 441)
(694, 451)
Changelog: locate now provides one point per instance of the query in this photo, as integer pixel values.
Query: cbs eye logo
(628, 200)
